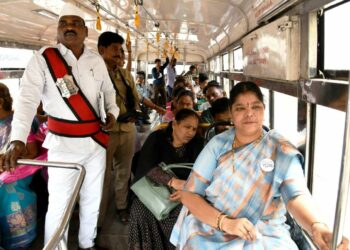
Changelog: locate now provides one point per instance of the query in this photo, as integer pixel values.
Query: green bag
(156, 196)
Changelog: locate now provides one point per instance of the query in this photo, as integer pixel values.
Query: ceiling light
(46, 13)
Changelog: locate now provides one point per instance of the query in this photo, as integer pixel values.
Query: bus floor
(114, 234)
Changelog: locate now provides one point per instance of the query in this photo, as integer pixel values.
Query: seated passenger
(241, 184)
(184, 99)
(220, 111)
(212, 92)
(17, 200)
(175, 144)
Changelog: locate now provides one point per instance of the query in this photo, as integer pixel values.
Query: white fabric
(71, 10)
(60, 187)
(171, 72)
(37, 84)
(204, 106)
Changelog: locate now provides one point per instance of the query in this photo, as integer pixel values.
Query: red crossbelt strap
(79, 105)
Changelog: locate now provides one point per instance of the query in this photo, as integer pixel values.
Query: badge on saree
(267, 165)
(67, 86)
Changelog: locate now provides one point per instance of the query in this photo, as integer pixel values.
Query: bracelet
(221, 220)
(218, 219)
(170, 182)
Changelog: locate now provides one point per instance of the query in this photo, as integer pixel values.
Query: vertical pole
(344, 179)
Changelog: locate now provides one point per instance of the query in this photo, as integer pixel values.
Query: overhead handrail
(343, 188)
(57, 239)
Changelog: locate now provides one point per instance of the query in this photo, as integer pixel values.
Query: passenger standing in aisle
(69, 79)
(120, 149)
(159, 82)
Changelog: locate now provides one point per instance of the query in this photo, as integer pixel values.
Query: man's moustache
(70, 31)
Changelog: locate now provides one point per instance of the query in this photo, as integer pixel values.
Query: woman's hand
(241, 227)
(182, 196)
(322, 237)
(177, 184)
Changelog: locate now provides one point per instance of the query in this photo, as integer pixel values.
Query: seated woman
(184, 99)
(241, 184)
(175, 144)
(17, 200)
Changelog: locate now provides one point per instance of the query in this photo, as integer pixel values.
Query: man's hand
(110, 122)
(160, 110)
(8, 161)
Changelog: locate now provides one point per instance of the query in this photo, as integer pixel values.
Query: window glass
(225, 60)
(266, 95)
(337, 38)
(14, 58)
(327, 160)
(227, 86)
(286, 117)
(238, 59)
(218, 79)
(217, 64)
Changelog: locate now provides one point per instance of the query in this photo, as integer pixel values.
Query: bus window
(217, 64)
(266, 94)
(225, 62)
(227, 86)
(13, 60)
(327, 161)
(286, 117)
(337, 39)
(238, 59)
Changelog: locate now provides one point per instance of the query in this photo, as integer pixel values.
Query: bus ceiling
(198, 28)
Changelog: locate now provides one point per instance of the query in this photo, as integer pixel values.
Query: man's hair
(108, 37)
(141, 73)
(203, 77)
(192, 67)
(220, 106)
(157, 60)
(212, 84)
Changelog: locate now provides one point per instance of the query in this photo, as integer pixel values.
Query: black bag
(131, 115)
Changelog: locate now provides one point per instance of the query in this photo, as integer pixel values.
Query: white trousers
(60, 186)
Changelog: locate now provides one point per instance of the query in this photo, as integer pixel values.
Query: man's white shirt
(37, 84)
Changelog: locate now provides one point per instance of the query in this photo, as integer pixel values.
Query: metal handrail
(57, 239)
(343, 188)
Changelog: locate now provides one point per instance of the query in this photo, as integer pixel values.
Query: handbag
(156, 196)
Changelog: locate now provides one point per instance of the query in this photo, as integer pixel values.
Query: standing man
(69, 79)
(158, 82)
(121, 146)
(171, 76)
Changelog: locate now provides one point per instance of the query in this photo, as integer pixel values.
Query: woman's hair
(5, 95)
(244, 87)
(184, 92)
(184, 114)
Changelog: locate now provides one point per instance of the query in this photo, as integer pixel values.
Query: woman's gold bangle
(221, 221)
(218, 219)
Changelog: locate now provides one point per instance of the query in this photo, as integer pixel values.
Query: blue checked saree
(237, 183)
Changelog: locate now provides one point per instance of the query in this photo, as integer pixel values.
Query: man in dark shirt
(158, 82)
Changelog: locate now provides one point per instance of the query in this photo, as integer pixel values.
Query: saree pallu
(17, 214)
(239, 184)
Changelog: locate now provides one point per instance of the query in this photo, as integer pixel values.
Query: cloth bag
(156, 196)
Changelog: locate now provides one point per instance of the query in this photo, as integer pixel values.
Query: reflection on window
(327, 161)
(225, 61)
(337, 38)
(212, 65)
(238, 59)
(286, 118)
